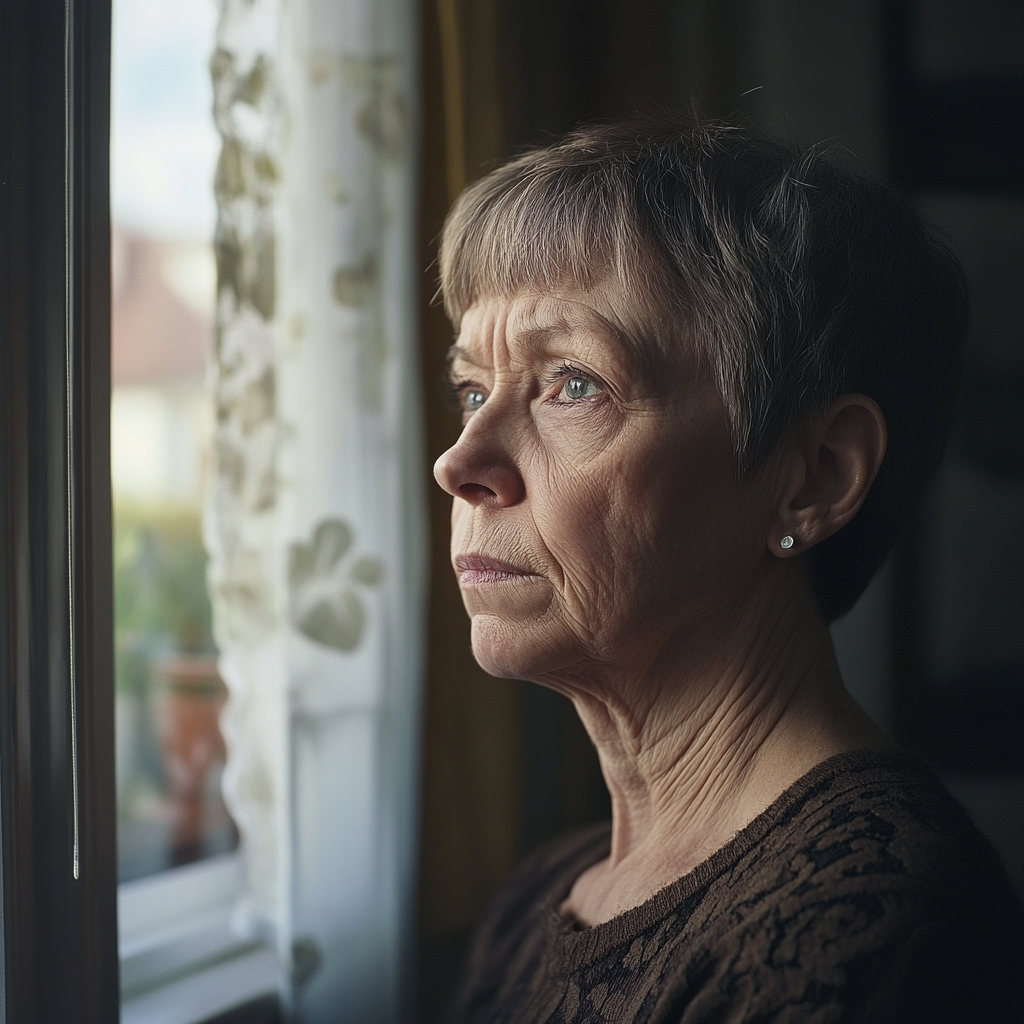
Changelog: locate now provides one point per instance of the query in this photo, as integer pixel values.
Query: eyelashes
(566, 370)
(455, 389)
(451, 392)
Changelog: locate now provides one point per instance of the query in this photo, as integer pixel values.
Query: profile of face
(596, 507)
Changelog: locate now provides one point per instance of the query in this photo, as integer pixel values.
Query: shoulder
(878, 822)
(868, 891)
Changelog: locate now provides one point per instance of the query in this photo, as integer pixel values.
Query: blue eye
(579, 387)
(472, 399)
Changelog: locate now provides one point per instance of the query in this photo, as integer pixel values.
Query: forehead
(592, 324)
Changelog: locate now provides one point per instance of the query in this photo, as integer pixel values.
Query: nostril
(474, 493)
(462, 469)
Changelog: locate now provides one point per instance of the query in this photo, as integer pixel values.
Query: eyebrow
(457, 352)
(538, 337)
(647, 359)
(533, 337)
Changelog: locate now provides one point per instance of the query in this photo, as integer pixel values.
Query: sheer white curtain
(315, 514)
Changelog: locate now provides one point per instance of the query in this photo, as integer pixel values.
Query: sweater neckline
(579, 946)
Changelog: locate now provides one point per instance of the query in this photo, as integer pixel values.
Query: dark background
(928, 94)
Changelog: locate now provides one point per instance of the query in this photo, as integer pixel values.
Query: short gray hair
(796, 279)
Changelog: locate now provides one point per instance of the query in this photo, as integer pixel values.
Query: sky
(163, 143)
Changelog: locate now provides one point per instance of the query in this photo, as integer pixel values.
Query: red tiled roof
(157, 338)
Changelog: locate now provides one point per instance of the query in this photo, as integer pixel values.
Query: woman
(703, 379)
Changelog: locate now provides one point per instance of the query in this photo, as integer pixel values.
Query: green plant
(161, 603)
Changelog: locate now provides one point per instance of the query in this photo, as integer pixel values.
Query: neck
(704, 733)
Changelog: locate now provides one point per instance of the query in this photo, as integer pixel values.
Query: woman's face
(595, 508)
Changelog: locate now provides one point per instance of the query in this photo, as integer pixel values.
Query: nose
(479, 467)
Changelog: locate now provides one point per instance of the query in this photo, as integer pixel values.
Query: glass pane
(170, 751)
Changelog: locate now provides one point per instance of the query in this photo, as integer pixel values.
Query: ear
(828, 469)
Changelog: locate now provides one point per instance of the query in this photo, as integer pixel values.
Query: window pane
(170, 752)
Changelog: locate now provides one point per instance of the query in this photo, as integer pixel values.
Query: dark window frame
(56, 726)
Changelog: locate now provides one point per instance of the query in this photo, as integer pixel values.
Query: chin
(513, 650)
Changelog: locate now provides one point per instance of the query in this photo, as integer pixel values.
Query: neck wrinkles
(700, 738)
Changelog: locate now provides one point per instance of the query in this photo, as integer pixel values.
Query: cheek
(601, 523)
(660, 532)
(571, 508)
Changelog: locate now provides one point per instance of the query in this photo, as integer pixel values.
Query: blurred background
(927, 94)
(170, 753)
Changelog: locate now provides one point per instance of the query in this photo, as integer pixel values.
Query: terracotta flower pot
(189, 698)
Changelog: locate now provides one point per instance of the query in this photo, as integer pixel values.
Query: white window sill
(184, 957)
(205, 993)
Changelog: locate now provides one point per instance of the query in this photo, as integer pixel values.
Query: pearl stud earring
(786, 543)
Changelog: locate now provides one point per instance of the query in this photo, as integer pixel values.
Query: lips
(478, 570)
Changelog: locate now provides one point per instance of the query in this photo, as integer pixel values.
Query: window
(175, 922)
(262, 433)
(261, 789)
(168, 695)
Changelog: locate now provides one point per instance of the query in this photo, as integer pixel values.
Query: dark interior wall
(956, 128)
(893, 87)
(588, 59)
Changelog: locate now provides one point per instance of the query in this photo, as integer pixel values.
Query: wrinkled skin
(635, 573)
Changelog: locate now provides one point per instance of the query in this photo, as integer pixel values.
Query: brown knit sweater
(862, 894)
